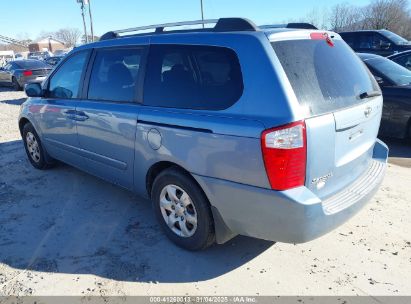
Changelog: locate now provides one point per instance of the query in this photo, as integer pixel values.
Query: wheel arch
(159, 167)
(22, 122)
(222, 231)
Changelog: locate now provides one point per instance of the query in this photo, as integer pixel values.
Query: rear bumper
(292, 216)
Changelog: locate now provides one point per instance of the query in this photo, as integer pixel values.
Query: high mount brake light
(322, 36)
(285, 155)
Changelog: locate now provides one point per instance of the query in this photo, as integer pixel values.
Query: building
(49, 43)
(6, 56)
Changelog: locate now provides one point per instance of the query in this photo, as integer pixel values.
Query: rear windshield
(32, 64)
(324, 78)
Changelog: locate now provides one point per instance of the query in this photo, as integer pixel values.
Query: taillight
(285, 152)
(27, 73)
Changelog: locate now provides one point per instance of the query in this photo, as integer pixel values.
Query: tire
(16, 84)
(185, 215)
(36, 153)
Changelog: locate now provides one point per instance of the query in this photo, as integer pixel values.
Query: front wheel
(34, 149)
(182, 210)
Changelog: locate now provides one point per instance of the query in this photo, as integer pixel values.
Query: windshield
(324, 78)
(393, 71)
(32, 64)
(394, 37)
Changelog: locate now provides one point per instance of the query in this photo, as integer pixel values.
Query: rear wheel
(182, 210)
(35, 152)
(16, 84)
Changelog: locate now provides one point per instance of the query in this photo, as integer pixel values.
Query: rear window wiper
(369, 94)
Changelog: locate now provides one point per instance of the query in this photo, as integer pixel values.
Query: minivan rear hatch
(341, 102)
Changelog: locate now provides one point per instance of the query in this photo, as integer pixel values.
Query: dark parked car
(18, 73)
(380, 42)
(39, 55)
(395, 82)
(403, 58)
(54, 60)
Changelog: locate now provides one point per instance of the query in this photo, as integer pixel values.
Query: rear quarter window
(192, 77)
(324, 78)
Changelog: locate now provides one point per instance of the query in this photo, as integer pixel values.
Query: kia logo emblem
(367, 111)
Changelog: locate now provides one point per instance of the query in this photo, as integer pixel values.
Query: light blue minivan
(229, 129)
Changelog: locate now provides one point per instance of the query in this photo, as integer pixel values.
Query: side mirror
(379, 80)
(33, 90)
(385, 45)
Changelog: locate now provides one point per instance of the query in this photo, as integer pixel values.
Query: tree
(69, 36)
(95, 38)
(392, 15)
(345, 17)
(317, 17)
(45, 34)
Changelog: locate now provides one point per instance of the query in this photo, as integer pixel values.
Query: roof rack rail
(222, 25)
(293, 25)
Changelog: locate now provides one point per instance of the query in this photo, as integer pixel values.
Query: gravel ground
(64, 232)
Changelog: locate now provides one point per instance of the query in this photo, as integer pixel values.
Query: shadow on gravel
(6, 89)
(400, 151)
(15, 102)
(65, 221)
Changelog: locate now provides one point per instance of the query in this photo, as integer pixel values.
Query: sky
(28, 18)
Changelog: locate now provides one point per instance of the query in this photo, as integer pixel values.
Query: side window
(405, 61)
(192, 77)
(349, 39)
(65, 83)
(365, 41)
(380, 42)
(7, 67)
(115, 74)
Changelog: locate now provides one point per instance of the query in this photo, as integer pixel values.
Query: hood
(405, 46)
